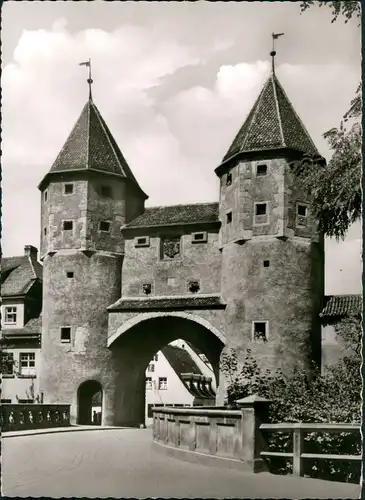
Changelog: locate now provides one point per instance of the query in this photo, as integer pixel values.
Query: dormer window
(104, 226)
(143, 241)
(68, 188)
(229, 179)
(10, 315)
(261, 170)
(199, 237)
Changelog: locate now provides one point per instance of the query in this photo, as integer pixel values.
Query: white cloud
(172, 145)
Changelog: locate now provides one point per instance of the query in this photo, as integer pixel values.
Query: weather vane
(275, 36)
(89, 80)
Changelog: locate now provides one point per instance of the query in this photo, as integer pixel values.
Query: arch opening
(134, 350)
(89, 403)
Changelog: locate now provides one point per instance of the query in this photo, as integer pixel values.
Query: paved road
(121, 463)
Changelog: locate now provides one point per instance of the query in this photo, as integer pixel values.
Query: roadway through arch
(135, 343)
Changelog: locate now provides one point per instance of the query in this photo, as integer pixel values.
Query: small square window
(67, 225)
(68, 189)
(147, 288)
(142, 241)
(45, 196)
(151, 368)
(260, 330)
(266, 263)
(261, 208)
(66, 334)
(261, 170)
(193, 286)
(148, 382)
(104, 226)
(70, 274)
(199, 237)
(162, 383)
(229, 217)
(302, 210)
(10, 315)
(106, 191)
(229, 179)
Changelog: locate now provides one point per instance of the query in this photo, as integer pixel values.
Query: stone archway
(137, 340)
(87, 408)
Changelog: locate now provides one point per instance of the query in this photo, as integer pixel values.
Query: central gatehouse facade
(120, 281)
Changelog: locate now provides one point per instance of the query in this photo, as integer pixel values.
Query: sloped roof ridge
(274, 80)
(294, 111)
(253, 117)
(68, 138)
(184, 204)
(103, 126)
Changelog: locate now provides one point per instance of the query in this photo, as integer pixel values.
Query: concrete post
(254, 413)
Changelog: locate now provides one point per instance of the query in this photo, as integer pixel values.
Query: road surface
(121, 463)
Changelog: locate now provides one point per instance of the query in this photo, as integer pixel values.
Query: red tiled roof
(271, 124)
(176, 215)
(341, 305)
(91, 146)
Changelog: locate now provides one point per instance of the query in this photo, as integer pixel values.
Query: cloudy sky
(174, 81)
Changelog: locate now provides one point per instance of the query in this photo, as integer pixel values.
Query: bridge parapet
(17, 417)
(240, 436)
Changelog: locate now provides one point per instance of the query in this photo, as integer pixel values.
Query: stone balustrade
(214, 432)
(16, 417)
(238, 436)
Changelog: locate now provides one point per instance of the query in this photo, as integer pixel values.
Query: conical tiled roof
(91, 146)
(271, 124)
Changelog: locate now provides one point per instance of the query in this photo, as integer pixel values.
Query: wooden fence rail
(299, 430)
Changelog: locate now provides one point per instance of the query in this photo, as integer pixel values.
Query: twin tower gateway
(121, 280)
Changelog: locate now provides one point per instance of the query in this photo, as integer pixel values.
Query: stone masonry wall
(197, 262)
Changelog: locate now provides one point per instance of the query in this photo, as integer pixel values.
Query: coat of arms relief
(171, 247)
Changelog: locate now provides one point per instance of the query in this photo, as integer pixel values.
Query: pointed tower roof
(91, 146)
(272, 124)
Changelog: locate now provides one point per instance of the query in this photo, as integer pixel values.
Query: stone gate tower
(272, 254)
(87, 195)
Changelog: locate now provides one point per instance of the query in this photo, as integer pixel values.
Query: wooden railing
(15, 417)
(299, 430)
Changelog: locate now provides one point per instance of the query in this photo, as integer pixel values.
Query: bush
(309, 397)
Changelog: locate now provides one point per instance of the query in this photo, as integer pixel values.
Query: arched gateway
(135, 342)
(121, 280)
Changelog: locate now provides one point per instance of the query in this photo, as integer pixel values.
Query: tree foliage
(335, 189)
(309, 397)
(346, 8)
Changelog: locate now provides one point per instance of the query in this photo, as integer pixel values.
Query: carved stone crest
(171, 247)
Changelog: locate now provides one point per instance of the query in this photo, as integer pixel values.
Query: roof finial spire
(89, 80)
(273, 52)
